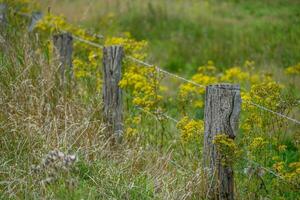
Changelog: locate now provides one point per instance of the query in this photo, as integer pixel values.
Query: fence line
(171, 118)
(186, 80)
(173, 75)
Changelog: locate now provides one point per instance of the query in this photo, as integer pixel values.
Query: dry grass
(36, 117)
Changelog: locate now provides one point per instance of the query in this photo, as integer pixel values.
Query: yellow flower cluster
(190, 129)
(132, 47)
(295, 166)
(268, 93)
(131, 133)
(132, 123)
(51, 24)
(258, 88)
(293, 70)
(144, 88)
(282, 148)
(291, 171)
(278, 167)
(235, 75)
(193, 95)
(227, 149)
(208, 74)
(257, 144)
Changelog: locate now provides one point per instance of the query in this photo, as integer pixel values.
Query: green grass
(227, 33)
(184, 35)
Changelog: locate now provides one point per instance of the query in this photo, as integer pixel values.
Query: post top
(114, 46)
(227, 86)
(63, 35)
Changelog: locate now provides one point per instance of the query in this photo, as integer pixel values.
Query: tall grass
(36, 117)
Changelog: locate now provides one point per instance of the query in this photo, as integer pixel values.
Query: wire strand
(273, 112)
(87, 42)
(154, 116)
(164, 71)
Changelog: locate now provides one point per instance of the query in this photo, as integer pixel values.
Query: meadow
(185, 34)
(54, 141)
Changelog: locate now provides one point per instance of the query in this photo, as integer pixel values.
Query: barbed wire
(155, 116)
(86, 41)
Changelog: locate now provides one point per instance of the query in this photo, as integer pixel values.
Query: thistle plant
(55, 166)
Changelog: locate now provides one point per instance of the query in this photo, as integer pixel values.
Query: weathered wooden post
(3, 15)
(63, 49)
(112, 93)
(222, 109)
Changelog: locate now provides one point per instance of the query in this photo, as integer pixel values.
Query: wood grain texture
(112, 93)
(222, 109)
(63, 49)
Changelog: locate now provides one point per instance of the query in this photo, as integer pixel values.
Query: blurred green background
(185, 34)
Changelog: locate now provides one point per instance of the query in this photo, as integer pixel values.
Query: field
(56, 142)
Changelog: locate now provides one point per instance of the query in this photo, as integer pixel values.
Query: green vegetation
(184, 35)
(42, 125)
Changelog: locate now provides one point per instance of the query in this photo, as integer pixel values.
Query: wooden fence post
(63, 49)
(222, 109)
(3, 15)
(112, 93)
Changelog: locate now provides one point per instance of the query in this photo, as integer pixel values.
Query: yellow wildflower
(293, 70)
(282, 148)
(190, 129)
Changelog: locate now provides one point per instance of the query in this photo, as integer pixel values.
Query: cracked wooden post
(112, 93)
(3, 15)
(63, 49)
(222, 109)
